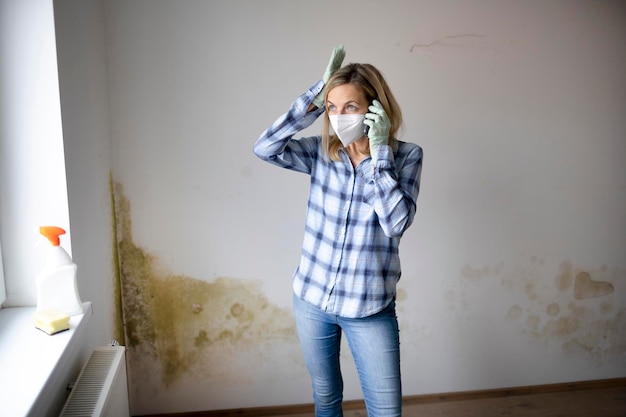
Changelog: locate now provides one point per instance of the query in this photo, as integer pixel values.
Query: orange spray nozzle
(52, 233)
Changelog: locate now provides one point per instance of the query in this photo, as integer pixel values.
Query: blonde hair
(374, 86)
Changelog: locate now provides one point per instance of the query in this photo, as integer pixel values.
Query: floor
(607, 402)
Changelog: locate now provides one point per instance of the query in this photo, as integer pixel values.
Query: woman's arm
(276, 144)
(396, 186)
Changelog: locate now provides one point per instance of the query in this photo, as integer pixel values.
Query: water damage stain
(578, 308)
(182, 325)
(118, 318)
(585, 287)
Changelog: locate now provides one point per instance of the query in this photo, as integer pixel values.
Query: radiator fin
(95, 382)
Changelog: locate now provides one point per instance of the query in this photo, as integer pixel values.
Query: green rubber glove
(336, 58)
(379, 126)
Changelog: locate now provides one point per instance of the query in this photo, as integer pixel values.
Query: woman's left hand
(379, 126)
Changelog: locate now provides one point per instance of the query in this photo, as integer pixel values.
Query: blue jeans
(375, 345)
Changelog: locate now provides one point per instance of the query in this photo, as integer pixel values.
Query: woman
(362, 198)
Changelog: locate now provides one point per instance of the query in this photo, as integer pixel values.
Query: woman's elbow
(260, 151)
(396, 230)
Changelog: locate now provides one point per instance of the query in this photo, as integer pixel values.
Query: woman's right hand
(336, 58)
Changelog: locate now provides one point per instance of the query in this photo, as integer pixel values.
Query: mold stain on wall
(181, 325)
(118, 319)
(406, 321)
(577, 308)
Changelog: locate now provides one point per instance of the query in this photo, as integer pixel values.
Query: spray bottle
(56, 283)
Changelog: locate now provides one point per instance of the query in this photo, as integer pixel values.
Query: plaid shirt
(355, 217)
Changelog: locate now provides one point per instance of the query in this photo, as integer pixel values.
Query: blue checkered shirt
(355, 216)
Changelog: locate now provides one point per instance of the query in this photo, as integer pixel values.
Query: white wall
(519, 108)
(81, 50)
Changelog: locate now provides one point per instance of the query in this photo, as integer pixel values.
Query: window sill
(29, 356)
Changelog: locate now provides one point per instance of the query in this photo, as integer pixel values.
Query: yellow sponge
(51, 321)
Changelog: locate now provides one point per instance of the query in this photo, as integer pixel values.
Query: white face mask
(349, 127)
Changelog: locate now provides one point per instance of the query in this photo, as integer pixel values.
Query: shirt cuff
(385, 153)
(301, 105)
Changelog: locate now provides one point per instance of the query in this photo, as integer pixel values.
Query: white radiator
(101, 389)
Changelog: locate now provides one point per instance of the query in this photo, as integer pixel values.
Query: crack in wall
(466, 40)
(470, 47)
